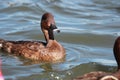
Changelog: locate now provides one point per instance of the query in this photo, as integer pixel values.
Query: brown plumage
(48, 51)
(99, 75)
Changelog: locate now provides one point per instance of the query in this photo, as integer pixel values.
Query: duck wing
(21, 46)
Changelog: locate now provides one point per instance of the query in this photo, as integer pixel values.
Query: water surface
(88, 31)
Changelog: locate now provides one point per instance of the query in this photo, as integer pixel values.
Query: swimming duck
(48, 51)
(100, 75)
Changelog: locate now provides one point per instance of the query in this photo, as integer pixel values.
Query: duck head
(48, 26)
(116, 51)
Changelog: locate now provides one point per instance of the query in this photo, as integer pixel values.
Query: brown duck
(99, 75)
(48, 51)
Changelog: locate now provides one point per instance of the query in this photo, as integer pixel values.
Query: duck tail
(1, 43)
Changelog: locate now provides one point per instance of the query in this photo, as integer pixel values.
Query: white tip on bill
(56, 30)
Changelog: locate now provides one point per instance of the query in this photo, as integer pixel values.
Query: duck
(100, 75)
(49, 51)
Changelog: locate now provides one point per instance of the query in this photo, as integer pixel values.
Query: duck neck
(116, 50)
(49, 36)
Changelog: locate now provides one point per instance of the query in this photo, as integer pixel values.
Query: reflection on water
(88, 30)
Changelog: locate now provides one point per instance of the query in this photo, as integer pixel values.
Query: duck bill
(56, 30)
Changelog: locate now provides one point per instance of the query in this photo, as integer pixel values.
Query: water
(88, 31)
